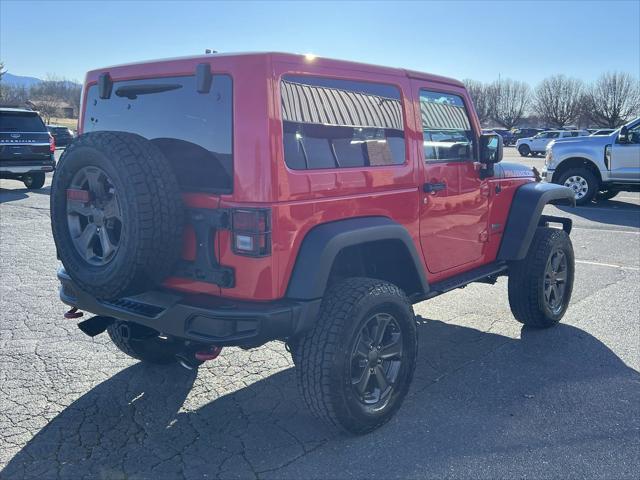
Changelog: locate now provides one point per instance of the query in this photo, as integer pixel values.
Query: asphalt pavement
(490, 399)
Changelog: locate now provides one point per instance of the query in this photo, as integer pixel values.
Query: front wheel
(583, 183)
(33, 181)
(355, 366)
(524, 150)
(540, 285)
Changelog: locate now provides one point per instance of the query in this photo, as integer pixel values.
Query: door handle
(433, 187)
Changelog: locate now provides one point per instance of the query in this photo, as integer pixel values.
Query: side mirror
(623, 136)
(490, 148)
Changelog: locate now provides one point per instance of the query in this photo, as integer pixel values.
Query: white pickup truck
(538, 144)
(596, 167)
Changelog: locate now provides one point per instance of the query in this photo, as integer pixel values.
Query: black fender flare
(525, 216)
(323, 242)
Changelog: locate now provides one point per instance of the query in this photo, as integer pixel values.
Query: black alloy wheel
(555, 281)
(94, 218)
(376, 360)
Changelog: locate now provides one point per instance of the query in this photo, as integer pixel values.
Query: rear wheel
(142, 343)
(33, 181)
(355, 366)
(607, 194)
(524, 150)
(540, 285)
(583, 183)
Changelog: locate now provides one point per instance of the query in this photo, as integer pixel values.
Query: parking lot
(490, 399)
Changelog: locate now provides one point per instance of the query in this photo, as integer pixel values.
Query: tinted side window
(447, 133)
(193, 130)
(329, 123)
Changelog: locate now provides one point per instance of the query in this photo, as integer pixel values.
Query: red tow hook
(209, 354)
(73, 313)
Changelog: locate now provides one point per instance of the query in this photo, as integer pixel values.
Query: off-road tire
(323, 355)
(141, 343)
(524, 150)
(592, 183)
(607, 194)
(152, 213)
(33, 181)
(527, 279)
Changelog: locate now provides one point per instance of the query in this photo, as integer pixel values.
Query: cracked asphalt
(490, 399)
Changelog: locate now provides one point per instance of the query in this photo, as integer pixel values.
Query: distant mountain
(19, 80)
(28, 82)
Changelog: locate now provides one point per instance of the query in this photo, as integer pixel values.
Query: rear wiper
(132, 91)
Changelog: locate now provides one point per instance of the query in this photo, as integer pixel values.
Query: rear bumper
(22, 166)
(200, 318)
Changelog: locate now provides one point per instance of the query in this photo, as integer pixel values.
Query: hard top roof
(291, 58)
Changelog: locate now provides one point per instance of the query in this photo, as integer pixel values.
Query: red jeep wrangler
(236, 199)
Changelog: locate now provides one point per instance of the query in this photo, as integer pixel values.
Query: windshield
(21, 122)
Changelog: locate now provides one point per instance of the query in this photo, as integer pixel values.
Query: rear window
(193, 130)
(329, 123)
(21, 122)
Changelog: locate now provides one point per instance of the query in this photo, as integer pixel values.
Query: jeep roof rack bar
(105, 85)
(203, 77)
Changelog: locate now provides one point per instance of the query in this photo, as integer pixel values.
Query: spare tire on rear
(116, 214)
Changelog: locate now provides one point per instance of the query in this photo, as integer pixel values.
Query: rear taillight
(52, 144)
(251, 231)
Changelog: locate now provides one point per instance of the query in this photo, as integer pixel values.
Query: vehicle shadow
(609, 212)
(480, 402)
(13, 194)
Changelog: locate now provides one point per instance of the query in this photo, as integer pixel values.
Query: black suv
(519, 133)
(62, 135)
(26, 147)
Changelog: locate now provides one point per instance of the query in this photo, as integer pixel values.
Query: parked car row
(538, 143)
(510, 137)
(596, 166)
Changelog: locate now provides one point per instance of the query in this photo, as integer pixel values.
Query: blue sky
(462, 39)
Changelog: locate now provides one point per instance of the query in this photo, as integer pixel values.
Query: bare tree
(510, 100)
(73, 97)
(2, 70)
(558, 100)
(481, 96)
(47, 105)
(614, 99)
(13, 95)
